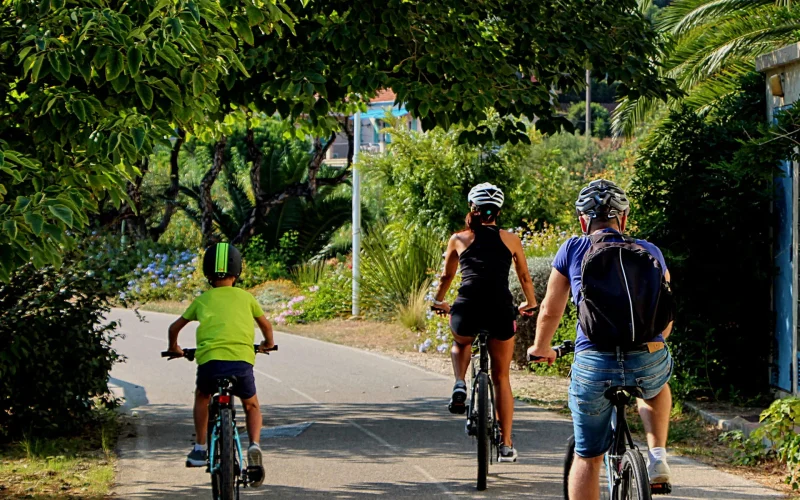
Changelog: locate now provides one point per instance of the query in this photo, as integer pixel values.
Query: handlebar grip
(257, 346)
(567, 347)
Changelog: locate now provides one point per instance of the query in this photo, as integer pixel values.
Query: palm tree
(314, 220)
(712, 44)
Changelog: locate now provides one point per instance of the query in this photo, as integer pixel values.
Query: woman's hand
(442, 309)
(526, 309)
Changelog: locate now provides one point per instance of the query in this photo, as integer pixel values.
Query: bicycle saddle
(623, 394)
(227, 382)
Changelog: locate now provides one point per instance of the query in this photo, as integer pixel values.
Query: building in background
(782, 71)
(373, 140)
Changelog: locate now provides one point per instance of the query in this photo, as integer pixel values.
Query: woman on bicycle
(484, 301)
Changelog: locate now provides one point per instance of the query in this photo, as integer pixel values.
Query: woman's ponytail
(478, 216)
(473, 221)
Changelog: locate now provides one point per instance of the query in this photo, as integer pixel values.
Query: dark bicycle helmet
(221, 261)
(602, 198)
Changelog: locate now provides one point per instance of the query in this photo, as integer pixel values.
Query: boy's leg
(252, 412)
(201, 401)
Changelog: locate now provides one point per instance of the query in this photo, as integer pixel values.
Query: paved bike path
(380, 426)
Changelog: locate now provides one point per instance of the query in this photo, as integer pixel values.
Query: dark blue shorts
(208, 373)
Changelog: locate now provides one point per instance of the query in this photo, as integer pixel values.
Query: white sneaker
(659, 472)
(254, 460)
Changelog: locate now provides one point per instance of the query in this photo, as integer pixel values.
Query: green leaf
(121, 83)
(10, 228)
(198, 83)
(171, 91)
(35, 221)
(194, 11)
(79, 110)
(423, 109)
(242, 28)
(101, 56)
(2, 158)
(114, 65)
(254, 15)
(134, 60)
(138, 135)
(22, 203)
(315, 78)
(37, 67)
(321, 107)
(176, 26)
(145, 94)
(64, 214)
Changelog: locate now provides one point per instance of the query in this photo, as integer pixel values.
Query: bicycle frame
(482, 357)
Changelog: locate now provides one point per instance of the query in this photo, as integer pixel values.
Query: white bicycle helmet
(486, 194)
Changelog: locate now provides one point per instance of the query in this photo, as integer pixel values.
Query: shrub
(330, 298)
(392, 274)
(55, 345)
(413, 315)
(776, 438)
(703, 190)
(540, 268)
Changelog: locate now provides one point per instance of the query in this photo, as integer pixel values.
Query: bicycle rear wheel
(226, 476)
(484, 430)
(569, 458)
(635, 484)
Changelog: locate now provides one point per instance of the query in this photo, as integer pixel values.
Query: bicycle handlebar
(188, 353)
(568, 347)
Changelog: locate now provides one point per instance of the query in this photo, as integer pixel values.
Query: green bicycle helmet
(221, 261)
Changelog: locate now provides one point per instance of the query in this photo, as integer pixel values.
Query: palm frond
(686, 15)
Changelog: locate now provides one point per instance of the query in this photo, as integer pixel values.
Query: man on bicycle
(602, 207)
(225, 338)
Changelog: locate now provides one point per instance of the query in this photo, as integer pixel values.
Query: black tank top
(485, 265)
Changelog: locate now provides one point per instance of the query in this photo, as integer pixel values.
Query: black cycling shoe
(197, 458)
(459, 397)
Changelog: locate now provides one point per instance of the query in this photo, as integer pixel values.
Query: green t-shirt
(226, 331)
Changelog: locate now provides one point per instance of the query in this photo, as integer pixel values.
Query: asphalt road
(377, 426)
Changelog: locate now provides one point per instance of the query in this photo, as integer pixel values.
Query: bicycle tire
(227, 477)
(484, 430)
(635, 485)
(568, 459)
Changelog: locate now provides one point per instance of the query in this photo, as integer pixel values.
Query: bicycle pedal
(661, 488)
(255, 474)
(457, 409)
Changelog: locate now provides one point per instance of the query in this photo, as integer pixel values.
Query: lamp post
(588, 104)
(356, 214)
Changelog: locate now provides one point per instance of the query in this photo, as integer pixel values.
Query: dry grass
(81, 467)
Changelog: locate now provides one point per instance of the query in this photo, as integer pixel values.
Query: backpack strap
(603, 236)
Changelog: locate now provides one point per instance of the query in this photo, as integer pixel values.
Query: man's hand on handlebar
(541, 354)
(442, 309)
(265, 347)
(176, 350)
(527, 310)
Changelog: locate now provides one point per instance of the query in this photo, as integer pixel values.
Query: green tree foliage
(713, 44)
(87, 89)
(49, 387)
(313, 219)
(703, 190)
(601, 123)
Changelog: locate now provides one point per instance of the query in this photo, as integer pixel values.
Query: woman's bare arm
(450, 269)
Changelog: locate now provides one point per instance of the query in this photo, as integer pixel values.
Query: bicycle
(626, 471)
(225, 457)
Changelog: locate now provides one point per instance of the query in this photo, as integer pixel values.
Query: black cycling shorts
(209, 372)
(470, 316)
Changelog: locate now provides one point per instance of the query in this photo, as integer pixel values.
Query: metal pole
(356, 214)
(588, 104)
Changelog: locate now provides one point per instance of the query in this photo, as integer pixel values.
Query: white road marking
(274, 379)
(303, 394)
(154, 338)
(432, 479)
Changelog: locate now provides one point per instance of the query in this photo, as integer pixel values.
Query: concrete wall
(784, 62)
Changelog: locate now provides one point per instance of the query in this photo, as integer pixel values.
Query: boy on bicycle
(225, 338)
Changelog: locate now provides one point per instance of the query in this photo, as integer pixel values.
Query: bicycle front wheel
(635, 485)
(484, 430)
(226, 475)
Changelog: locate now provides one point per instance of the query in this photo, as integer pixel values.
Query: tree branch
(171, 194)
(206, 203)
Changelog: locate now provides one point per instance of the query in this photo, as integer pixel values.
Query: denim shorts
(209, 372)
(592, 374)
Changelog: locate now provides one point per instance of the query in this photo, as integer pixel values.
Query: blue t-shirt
(568, 262)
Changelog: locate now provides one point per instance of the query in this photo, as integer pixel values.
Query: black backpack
(625, 299)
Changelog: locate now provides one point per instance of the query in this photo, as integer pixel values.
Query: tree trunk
(206, 202)
(171, 195)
